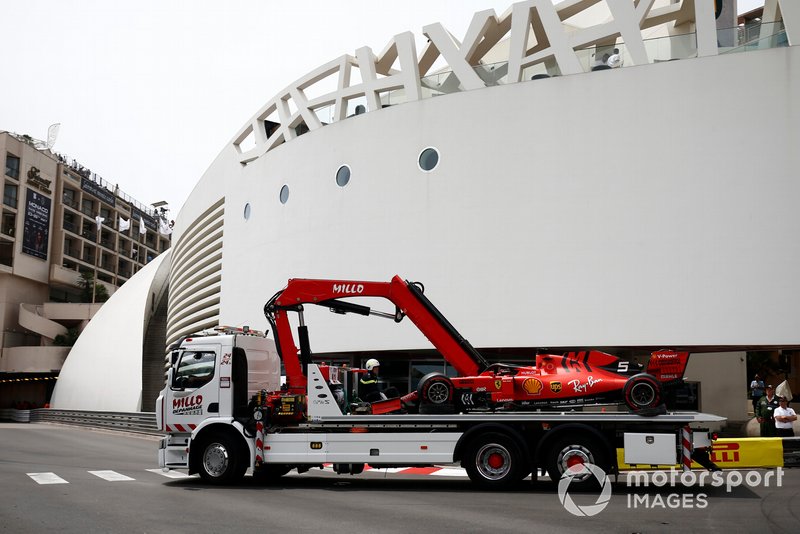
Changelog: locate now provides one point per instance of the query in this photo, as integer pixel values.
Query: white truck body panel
(402, 448)
(263, 363)
(650, 448)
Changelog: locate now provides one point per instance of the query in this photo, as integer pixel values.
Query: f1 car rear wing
(668, 365)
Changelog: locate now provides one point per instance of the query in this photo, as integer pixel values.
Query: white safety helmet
(372, 363)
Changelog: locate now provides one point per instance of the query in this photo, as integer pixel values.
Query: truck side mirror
(173, 357)
(179, 382)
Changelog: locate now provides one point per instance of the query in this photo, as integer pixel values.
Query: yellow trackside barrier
(730, 453)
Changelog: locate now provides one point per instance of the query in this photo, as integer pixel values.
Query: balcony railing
(71, 202)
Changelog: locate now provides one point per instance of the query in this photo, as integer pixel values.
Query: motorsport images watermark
(673, 478)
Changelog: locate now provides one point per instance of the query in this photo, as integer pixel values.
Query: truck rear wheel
(220, 460)
(494, 460)
(435, 394)
(572, 452)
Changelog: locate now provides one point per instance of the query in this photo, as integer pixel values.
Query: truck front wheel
(220, 460)
(495, 461)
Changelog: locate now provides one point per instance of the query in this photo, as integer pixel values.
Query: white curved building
(623, 208)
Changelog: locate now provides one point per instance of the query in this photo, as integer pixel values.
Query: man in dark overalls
(765, 412)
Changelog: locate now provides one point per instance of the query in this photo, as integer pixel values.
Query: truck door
(195, 387)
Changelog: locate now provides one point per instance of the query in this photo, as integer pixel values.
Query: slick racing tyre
(642, 392)
(435, 394)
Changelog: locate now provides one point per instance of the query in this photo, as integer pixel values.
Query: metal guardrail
(791, 452)
(18, 416)
(141, 422)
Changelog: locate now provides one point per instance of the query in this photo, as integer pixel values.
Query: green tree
(68, 339)
(85, 282)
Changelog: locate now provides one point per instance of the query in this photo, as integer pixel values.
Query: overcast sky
(148, 92)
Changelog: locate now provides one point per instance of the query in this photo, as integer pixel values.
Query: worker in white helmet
(369, 389)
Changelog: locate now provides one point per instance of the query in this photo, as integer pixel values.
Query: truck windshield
(194, 369)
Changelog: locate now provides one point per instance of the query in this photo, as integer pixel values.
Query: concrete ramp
(103, 371)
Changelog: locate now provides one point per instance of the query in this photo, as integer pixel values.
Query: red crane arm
(407, 297)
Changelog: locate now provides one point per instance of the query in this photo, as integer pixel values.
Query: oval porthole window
(247, 211)
(428, 159)
(284, 194)
(343, 176)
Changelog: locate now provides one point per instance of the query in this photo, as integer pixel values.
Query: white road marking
(47, 478)
(169, 474)
(111, 476)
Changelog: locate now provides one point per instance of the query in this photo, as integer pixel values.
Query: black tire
(574, 449)
(436, 389)
(221, 460)
(271, 473)
(642, 392)
(494, 460)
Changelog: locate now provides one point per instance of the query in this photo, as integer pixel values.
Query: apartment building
(59, 220)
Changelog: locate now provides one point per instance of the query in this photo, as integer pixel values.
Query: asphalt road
(104, 485)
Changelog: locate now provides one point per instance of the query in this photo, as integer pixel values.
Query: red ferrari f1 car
(555, 380)
(575, 378)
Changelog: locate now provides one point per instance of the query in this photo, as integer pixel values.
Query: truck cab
(211, 378)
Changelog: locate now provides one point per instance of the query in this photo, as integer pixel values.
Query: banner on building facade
(149, 222)
(97, 190)
(36, 230)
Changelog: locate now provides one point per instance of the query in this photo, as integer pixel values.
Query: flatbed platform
(405, 420)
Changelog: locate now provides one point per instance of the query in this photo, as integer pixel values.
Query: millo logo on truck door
(348, 288)
(188, 405)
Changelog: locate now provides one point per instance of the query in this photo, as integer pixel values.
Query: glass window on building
(68, 248)
(6, 253)
(70, 198)
(12, 166)
(88, 230)
(10, 195)
(69, 222)
(9, 224)
(87, 207)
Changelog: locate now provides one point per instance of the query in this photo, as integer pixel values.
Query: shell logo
(532, 386)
